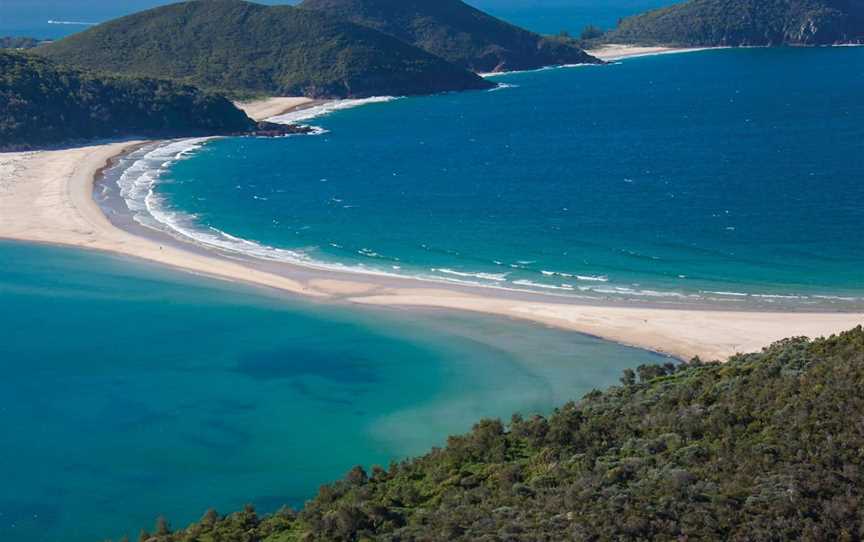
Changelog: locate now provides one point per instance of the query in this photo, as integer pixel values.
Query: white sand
(612, 52)
(49, 200)
(47, 197)
(271, 107)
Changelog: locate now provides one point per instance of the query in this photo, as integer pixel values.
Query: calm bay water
(130, 391)
(716, 177)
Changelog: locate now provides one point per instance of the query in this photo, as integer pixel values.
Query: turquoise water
(129, 391)
(719, 177)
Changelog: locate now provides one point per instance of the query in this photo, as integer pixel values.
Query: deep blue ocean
(719, 177)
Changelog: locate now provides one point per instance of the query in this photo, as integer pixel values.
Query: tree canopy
(42, 103)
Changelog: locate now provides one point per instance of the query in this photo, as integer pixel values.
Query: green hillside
(249, 49)
(767, 447)
(14, 42)
(42, 103)
(747, 22)
(457, 32)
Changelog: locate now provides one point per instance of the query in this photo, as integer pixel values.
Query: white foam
(592, 278)
(497, 277)
(838, 298)
(587, 278)
(76, 23)
(543, 69)
(544, 286)
(502, 86)
(300, 115)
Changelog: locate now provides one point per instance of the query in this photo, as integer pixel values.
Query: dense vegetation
(14, 42)
(457, 32)
(767, 447)
(245, 48)
(42, 103)
(747, 22)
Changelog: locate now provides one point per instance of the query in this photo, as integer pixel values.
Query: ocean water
(130, 391)
(721, 177)
(572, 16)
(59, 18)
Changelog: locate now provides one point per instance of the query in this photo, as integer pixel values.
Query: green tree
(591, 32)
(628, 378)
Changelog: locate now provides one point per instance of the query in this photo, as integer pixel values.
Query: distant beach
(272, 107)
(613, 52)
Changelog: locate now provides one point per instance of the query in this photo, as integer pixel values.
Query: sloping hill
(245, 48)
(41, 103)
(768, 447)
(15, 42)
(746, 22)
(457, 32)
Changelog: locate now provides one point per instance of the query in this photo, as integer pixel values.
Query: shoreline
(612, 53)
(615, 52)
(48, 197)
(272, 107)
(116, 208)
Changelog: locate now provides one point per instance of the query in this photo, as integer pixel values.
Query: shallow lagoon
(130, 391)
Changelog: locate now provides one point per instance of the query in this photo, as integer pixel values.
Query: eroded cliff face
(820, 27)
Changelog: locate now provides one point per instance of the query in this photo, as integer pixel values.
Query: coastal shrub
(42, 103)
(766, 447)
(16, 42)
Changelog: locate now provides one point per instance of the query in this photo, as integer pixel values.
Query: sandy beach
(271, 107)
(47, 197)
(613, 52)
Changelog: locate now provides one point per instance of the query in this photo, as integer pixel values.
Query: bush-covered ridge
(746, 22)
(250, 49)
(14, 42)
(457, 32)
(767, 447)
(42, 103)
